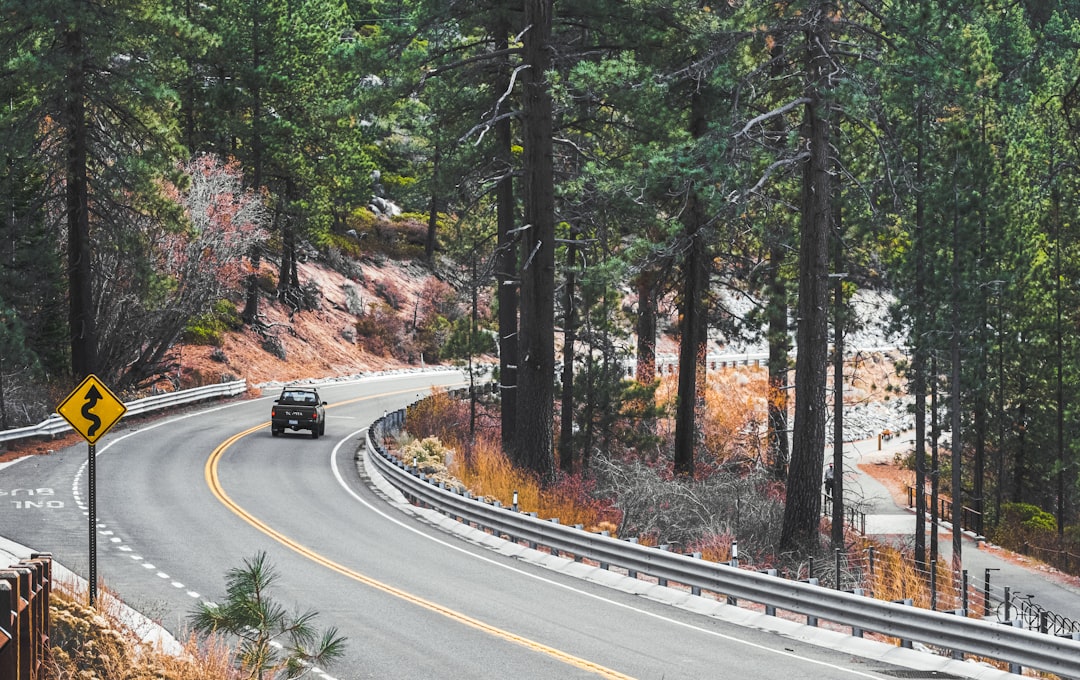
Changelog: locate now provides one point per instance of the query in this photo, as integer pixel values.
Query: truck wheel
(274, 431)
(322, 428)
(315, 432)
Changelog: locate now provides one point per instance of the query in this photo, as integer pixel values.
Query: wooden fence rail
(24, 618)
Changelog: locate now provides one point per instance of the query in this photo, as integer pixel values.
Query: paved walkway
(885, 518)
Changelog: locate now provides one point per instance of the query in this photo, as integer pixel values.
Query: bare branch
(772, 114)
(768, 173)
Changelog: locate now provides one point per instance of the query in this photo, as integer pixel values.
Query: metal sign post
(92, 483)
(92, 409)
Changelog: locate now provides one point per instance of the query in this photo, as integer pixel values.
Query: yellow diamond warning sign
(91, 409)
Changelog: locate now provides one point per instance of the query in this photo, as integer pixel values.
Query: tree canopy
(580, 163)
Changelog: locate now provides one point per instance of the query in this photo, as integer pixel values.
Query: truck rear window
(297, 398)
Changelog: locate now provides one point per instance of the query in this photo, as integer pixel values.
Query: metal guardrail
(24, 618)
(669, 363)
(970, 518)
(1015, 645)
(55, 424)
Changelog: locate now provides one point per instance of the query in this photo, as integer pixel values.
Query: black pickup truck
(298, 408)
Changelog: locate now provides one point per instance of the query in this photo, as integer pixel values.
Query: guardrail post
(662, 581)
(604, 565)
(770, 610)
(957, 654)
(1015, 667)
(1008, 603)
(695, 590)
(857, 632)
(907, 602)
(812, 620)
(632, 573)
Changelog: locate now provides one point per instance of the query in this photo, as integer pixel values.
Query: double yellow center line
(214, 482)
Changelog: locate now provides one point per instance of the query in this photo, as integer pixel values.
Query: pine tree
(91, 96)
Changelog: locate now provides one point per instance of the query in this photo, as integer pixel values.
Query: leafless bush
(688, 512)
(391, 293)
(22, 401)
(202, 258)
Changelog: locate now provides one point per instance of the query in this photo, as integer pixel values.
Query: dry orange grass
(488, 472)
(100, 643)
(482, 467)
(735, 410)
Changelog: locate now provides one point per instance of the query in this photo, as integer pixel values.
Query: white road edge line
(784, 653)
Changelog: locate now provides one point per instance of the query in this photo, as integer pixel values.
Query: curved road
(183, 499)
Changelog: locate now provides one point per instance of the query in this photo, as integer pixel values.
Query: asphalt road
(183, 499)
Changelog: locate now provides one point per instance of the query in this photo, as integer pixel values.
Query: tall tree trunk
(837, 528)
(566, 419)
(779, 356)
(288, 259)
(957, 442)
(251, 287)
(693, 327)
(645, 326)
(533, 446)
(81, 320)
(506, 268)
(935, 461)
(251, 293)
(433, 212)
(802, 509)
(776, 313)
(918, 361)
(1020, 467)
(1059, 360)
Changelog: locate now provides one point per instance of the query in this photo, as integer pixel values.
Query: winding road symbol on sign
(92, 398)
(91, 409)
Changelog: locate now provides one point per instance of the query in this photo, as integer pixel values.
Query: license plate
(294, 422)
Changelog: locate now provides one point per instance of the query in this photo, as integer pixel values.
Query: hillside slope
(316, 344)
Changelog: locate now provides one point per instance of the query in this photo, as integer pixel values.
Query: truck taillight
(315, 416)
(273, 413)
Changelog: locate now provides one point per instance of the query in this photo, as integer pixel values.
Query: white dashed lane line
(118, 543)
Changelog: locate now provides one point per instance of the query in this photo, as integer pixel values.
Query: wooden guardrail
(24, 618)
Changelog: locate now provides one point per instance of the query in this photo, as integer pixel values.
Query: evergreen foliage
(585, 169)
